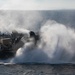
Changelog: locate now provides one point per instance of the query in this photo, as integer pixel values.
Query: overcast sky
(36, 4)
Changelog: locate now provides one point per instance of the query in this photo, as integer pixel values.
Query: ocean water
(39, 69)
(56, 45)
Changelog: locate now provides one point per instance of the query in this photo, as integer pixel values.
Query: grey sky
(36, 4)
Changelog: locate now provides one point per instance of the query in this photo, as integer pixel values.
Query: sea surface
(37, 69)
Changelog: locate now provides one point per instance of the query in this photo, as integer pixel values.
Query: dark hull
(5, 54)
